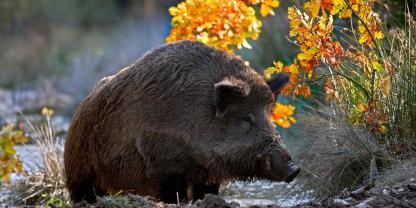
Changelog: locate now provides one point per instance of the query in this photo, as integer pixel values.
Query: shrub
(10, 162)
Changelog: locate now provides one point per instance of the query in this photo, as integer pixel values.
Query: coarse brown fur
(171, 123)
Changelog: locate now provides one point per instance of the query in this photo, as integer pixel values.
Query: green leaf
(377, 66)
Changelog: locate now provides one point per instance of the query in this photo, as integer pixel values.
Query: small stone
(411, 186)
(350, 200)
(386, 191)
(344, 194)
(339, 203)
(171, 206)
(359, 193)
(396, 191)
(213, 201)
(234, 204)
(253, 202)
(365, 203)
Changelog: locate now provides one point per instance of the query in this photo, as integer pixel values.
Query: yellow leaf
(383, 129)
(284, 124)
(304, 56)
(378, 35)
(355, 7)
(274, 3)
(282, 115)
(268, 72)
(246, 44)
(19, 167)
(385, 86)
(6, 177)
(266, 10)
(9, 149)
(47, 111)
(279, 65)
(364, 38)
(361, 107)
(313, 7)
(291, 13)
(361, 28)
(173, 11)
(294, 69)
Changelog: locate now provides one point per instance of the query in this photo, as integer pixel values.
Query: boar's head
(249, 146)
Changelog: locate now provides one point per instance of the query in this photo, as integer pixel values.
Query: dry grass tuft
(44, 182)
(400, 105)
(335, 155)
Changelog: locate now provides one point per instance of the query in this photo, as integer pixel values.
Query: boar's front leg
(173, 188)
(167, 162)
(199, 190)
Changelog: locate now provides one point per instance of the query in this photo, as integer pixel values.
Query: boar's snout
(293, 172)
(278, 167)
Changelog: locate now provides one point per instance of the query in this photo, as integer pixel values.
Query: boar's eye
(245, 123)
(247, 119)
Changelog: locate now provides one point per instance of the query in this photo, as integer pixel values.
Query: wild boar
(181, 120)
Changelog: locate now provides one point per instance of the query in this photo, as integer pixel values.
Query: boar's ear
(278, 81)
(227, 92)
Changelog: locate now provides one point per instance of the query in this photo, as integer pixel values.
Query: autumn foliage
(221, 24)
(10, 163)
(323, 56)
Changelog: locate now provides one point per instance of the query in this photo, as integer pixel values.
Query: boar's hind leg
(82, 191)
(199, 191)
(173, 184)
(79, 177)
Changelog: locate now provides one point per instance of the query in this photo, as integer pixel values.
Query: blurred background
(53, 51)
